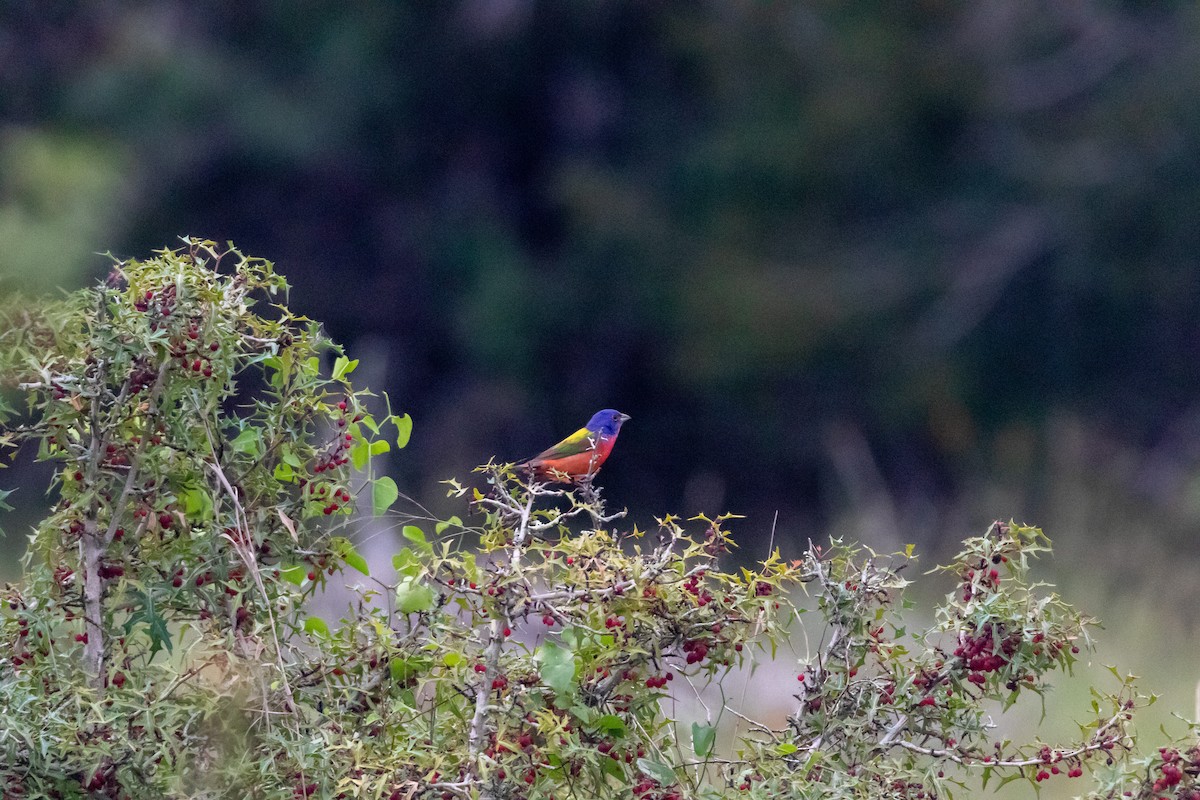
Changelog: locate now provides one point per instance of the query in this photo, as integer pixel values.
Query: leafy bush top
(210, 454)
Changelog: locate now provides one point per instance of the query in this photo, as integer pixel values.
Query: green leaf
(4, 493)
(405, 563)
(414, 534)
(786, 748)
(343, 367)
(572, 638)
(360, 454)
(196, 502)
(452, 659)
(380, 446)
(296, 575)
(351, 557)
(583, 713)
(404, 430)
(249, 442)
(1016, 776)
(275, 363)
(612, 767)
(145, 612)
(556, 666)
(612, 725)
(413, 596)
(444, 524)
(656, 770)
(317, 627)
(703, 739)
(402, 669)
(383, 494)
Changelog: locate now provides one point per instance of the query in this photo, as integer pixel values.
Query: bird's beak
(623, 417)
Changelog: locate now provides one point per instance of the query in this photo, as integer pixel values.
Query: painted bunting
(580, 455)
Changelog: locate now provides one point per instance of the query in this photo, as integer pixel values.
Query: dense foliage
(209, 455)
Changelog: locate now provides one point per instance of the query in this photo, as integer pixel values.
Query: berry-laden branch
(196, 490)
(167, 638)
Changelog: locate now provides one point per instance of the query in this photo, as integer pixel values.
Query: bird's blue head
(607, 422)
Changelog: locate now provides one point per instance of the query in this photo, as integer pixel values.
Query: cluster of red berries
(609, 749)
(978, 652)
(305, 789)
(659, 681)
(141, 375)
(1052, 760)
(339, 498)
(648, 789)
(913, 789)
(22, 655)
(981, 579)
(1171, 772)
(75, 528)
(337, 454)
(104, 779)
(64, 576)
(163, 302)
(693, 587)
(191, 354)
(114, 456)
(696, 651)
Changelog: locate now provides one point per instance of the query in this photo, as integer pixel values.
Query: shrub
(210, 454)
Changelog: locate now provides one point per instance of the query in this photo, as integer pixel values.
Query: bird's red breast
(575, 465)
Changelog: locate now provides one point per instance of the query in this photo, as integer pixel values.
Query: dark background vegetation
(887, 269)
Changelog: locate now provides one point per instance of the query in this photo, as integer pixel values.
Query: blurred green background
(890, 270)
